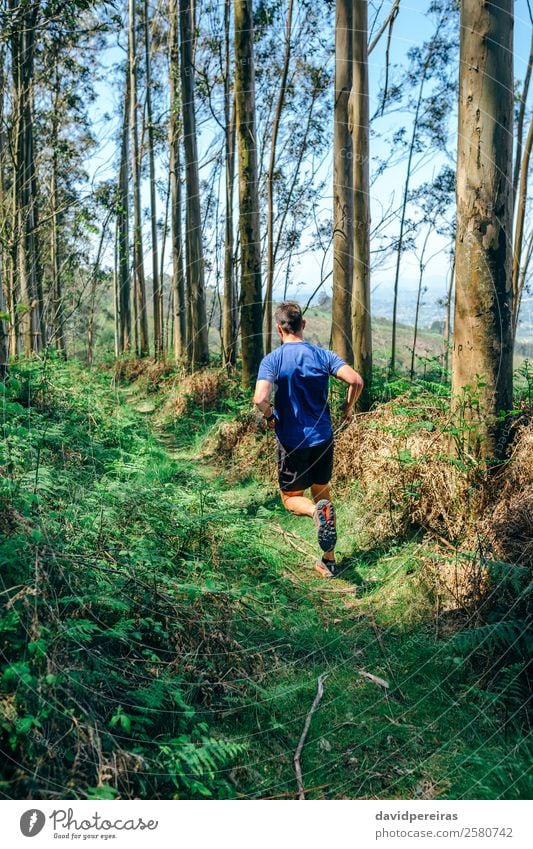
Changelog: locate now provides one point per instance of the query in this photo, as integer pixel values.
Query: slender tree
(24, 19)
(157, 289)
(251, 307)
(229, 305)
(343, 196)
(267, 306)
(519, 227)
(361, 324)
(197, 336)
(175, 133)
(122, 224)
(483, 344)
(58, 321)
(136, 153)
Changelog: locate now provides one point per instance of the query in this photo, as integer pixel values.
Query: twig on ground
(292, 795)
(301, 742)
(288, 537)
(374, 678)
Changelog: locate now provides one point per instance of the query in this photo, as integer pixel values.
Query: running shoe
(324, 517)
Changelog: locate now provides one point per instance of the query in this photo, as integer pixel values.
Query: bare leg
(296, 503)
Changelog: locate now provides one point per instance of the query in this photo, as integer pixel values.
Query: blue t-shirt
(300, 373)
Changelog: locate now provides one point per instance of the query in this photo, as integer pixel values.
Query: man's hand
(346, 412)
(263, 391)
(355, 387)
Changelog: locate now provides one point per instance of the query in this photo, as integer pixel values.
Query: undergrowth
(162, 631)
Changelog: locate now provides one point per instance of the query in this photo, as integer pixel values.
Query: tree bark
(138, 252)
(179, 333)
(267, 306)
(123, 260)
(229, 305)
(519, 227)
(58, 320)
(520, 122)
(156, 282)
(25, 18)
(392, 365)
(343, 196)
(448, 318)
(483, 345)
(198, 340)
(251, 307)
(361, 325)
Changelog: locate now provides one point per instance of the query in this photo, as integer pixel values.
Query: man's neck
(292, 337)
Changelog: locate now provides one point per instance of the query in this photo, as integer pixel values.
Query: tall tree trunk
(156, 282)
(116, 295)
(4, 341)
(519, 227)
(421, 268)
(527, 254)
(343, 197)
(267, 306)
(23, 48)
(448, 318)
(229, 306)
(361, 325)
(58, 319)
(178, 277)
(138, 252)
(251, 308)
(198, 342)
(4, 239)
(123, 248)
(483, 343)
(520, 122)
(392, 364)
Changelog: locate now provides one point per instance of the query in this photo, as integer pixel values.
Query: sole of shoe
(325, 522)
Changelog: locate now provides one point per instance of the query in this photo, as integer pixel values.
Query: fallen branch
(301, 742)
(374, 678)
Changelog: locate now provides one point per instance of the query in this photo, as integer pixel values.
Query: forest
(170, 172)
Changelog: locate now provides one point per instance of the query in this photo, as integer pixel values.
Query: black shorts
(299, 468)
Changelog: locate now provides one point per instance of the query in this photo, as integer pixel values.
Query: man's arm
(263, 391)
(355, 387)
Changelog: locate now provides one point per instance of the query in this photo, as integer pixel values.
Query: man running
(300, 416)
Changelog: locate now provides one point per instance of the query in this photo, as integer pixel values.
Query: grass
(165, 630)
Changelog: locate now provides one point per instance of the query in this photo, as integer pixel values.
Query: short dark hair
(289, 316)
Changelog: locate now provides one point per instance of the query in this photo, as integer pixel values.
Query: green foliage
(161, 639)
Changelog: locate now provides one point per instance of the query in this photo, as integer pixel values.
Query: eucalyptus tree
(197, 333)
(175, 141)
(23, 20)
(429, 81)
(157, 290)
(250, 247)
(482, 369)
(343, 195)
(360, 306)
(280, 102)
(141, 316)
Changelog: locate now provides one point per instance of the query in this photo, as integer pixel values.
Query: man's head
(289, 319)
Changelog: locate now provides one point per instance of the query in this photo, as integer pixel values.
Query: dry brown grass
(244, 446)
(405, 468)
(152, 373)
(202, 390)
(509, 525)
